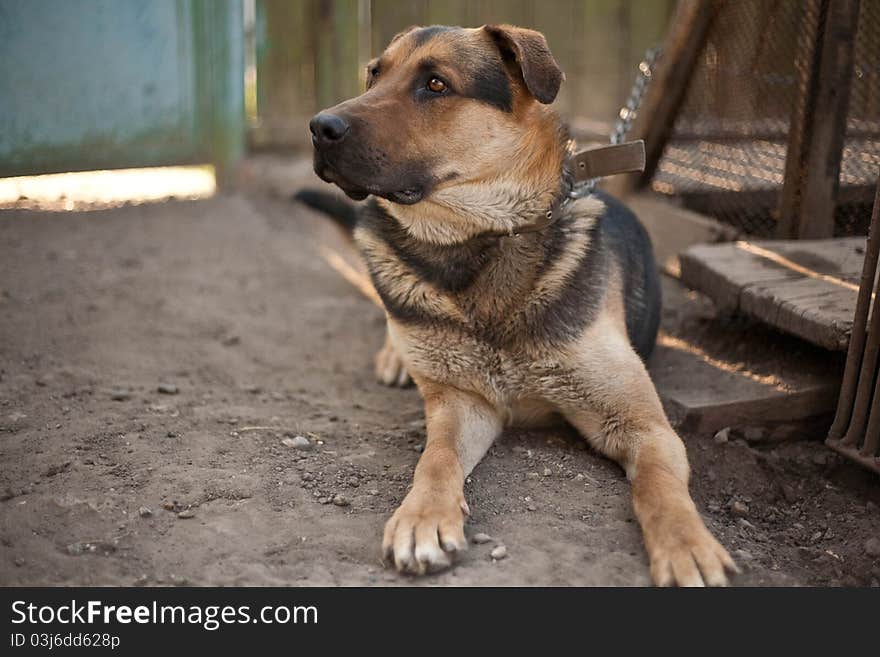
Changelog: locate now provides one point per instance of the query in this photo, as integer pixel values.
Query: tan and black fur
(454, 141)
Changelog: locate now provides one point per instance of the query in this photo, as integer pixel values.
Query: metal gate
(99, 84)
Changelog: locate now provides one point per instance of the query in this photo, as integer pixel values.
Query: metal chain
(627, 114)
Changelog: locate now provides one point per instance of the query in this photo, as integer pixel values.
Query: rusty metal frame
(855, 432)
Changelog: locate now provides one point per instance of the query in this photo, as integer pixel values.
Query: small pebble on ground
(297, 442)
(498, 552)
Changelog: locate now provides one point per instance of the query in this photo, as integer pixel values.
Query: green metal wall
(96, 84)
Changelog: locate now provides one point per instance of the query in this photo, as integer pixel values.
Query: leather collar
(584, 166)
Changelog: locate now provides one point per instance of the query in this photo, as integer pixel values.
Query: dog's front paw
(390, 369)
(684, 553)
(425, 532)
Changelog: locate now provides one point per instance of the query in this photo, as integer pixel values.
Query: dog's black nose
(328, 128)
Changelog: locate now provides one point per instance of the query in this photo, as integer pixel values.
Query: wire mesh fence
(726, 156)
(861, 151)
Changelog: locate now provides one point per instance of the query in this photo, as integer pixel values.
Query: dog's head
(443, 106)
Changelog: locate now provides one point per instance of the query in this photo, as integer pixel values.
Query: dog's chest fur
(492, 313)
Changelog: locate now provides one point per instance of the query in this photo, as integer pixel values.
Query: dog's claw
(690, 556)
(424, 534)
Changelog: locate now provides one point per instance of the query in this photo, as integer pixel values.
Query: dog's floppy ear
(530, 51)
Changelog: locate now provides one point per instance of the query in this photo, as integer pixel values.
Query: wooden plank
(682, 47)
(723, 274)
(336, 57)
(391, 16)
(286, 93)
(220, 78)
(707, 414)
(310, 53)
(819, 120)
(706, 387)
(816, 310)
(806, 288)
(841, 258)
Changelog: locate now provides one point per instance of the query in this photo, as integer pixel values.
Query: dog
(455, 146)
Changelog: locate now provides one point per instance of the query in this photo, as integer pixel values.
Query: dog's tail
(342, 212)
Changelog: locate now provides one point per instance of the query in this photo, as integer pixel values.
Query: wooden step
(806, 288)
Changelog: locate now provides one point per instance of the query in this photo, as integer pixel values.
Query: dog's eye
(372, 74)
(436, 85)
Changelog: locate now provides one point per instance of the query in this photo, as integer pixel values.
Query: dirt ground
(227, 307)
